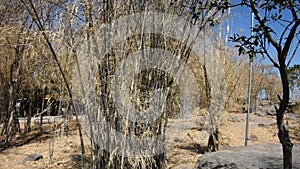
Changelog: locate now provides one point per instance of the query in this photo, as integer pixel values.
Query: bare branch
(294, 52)
(270, 58)
(289, 39)
(286, 28)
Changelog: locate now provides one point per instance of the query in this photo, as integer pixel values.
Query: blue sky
(240, 22)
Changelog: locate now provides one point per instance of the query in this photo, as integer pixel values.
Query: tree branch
(294, 53)
(263, 24)
(284, 31)
(270, 58)
(292, 9)
(289, 39)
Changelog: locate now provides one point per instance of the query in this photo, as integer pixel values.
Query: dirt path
(184, 155)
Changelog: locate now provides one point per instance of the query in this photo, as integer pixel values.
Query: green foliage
(246, 45)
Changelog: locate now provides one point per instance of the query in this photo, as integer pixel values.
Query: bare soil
(67, 149)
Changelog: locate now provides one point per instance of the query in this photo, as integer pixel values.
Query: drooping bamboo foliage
(128, 67)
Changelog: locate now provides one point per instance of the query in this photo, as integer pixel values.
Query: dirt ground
(262, 130)
(66, 152)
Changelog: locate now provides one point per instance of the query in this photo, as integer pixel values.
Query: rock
(261, 156)
(200, 121)
(265, 103)
(177, 139)
(235, 119)
(291, 116)
(76, 157)
(264, 109)
(253, 137)
(263, 125)
(266, 125)
(32, 157)
(272, 112)
(260, 113)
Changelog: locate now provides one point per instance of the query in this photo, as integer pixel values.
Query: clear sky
(240, 22)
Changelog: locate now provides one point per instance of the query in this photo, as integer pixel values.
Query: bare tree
(14, 23)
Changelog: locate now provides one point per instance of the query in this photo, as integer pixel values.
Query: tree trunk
(28, 114)
(213, 141)
(283, 132)
(12, 126)
(284, 138)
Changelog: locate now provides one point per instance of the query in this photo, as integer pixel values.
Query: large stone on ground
(32, 157)
(263, 156)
